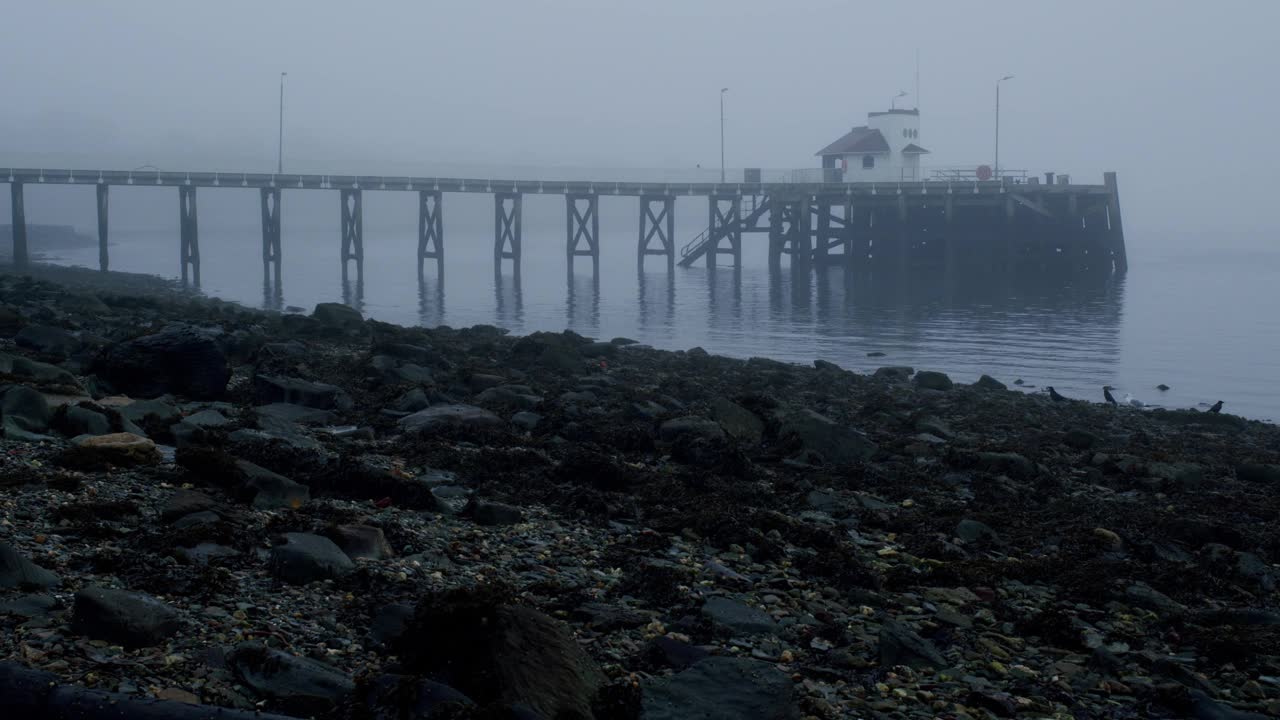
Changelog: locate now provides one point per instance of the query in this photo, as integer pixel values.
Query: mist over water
(1189, 314)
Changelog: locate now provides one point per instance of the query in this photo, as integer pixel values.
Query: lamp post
(280, 136)
(997, 162)
(722, 92)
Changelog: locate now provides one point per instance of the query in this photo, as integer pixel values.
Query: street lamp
(722, 92)
(893, 104)
(280, 137)
(997, 163)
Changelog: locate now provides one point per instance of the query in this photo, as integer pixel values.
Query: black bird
(1054, 394)
(1106, 393)
(1217, 407)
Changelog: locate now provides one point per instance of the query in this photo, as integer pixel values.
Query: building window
(906, 132)
(868, 162)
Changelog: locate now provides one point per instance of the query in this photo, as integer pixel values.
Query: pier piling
(1115, 236)
(725, 225)
(102, 195)
(582, 225)
(19, 214)
(506, 230)
(658, 225)
(188, 235)
(352, 231)
(270, 235)
(431, 230)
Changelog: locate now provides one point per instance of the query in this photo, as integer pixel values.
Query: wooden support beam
(19, 215)
(102, 196)
(1114, 225)
(353, 232)
(188, 234)
(506, 230)
(725, 225)
(431, 230)
(270, 236)
(582, 228)
(903, 236)
(658, 226)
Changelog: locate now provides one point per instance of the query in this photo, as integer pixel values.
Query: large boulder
(495, 652)
(690, 426)
(267, 490)
(932, 380)
(25, 411)
(121, 449)
(738, 618)
(123, 618)
(300, 684)
(337, 316)
(835, 442)
(295, 391)
(38, 372)
(18, 572)
(721, 688)
(48, 340)
(179, 359)
(304, 558)
(900, 645)
(738, 421)
(440, 417)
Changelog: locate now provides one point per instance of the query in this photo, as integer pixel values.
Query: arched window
(868, 162)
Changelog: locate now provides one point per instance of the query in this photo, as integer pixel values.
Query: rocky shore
(317, 515)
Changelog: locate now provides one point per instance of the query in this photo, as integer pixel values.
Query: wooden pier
(875, 226)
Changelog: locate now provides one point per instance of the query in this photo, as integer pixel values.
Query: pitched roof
(913, 149)
(858, 140)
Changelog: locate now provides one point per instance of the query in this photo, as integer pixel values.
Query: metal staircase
(705, 240)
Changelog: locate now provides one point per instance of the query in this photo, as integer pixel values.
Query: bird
(1106, 393)
(1162, 387)
(1132, 401)
(1217, 407)
(1054, 394)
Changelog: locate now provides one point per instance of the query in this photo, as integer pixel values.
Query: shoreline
(333, 511)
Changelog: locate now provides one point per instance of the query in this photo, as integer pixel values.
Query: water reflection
(272, 295)
(353, 293)
(655, 300)
(582, 304)
(509, 299)
(430, 299)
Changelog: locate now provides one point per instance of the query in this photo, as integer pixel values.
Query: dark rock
(195, 519)
(986, 382)
(29, 606)
(75, 420)
(48, 340)
(151, 414)
(971, 530)
(737, 617)
(179, 359)
(690, 425)
(412, 401)
(185, 502)
(480, 381)
(390, 623)
(1238, 616)
(203, 553)
(295, 391)
(894, 372)
(932, 380)
(337, 316)
(1258, 473)
(833, 441)
(124, 618)
(721, 688)
(1204, 707)
(301, 685)
(24, 410)
(37, 371)
(738, 421)
(526, 420)
(441, 417)
(900, 645)
(1009, 463)
(402, 696)
(291, 413)
(304, 558)
(494, 513)
(18, 572)
(605, 617)
(501, 653)
(518, 396)
(361, 541)
(268, 490)
(825, 366)
(598, 349)
(1080, 439)
(666, 651)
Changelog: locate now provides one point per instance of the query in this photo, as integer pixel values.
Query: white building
(883, 150)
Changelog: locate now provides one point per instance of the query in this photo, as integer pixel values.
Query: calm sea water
(1205, 322)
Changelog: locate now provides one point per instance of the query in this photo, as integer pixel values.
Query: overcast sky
(1179, 98)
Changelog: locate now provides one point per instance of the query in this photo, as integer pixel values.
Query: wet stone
(737, 617)
(304, 558)
(122, 617)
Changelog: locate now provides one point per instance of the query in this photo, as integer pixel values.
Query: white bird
(1132, 401)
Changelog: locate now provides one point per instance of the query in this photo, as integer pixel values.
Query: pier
(955, 223)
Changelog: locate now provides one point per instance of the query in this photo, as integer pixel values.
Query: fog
(1178, 99)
